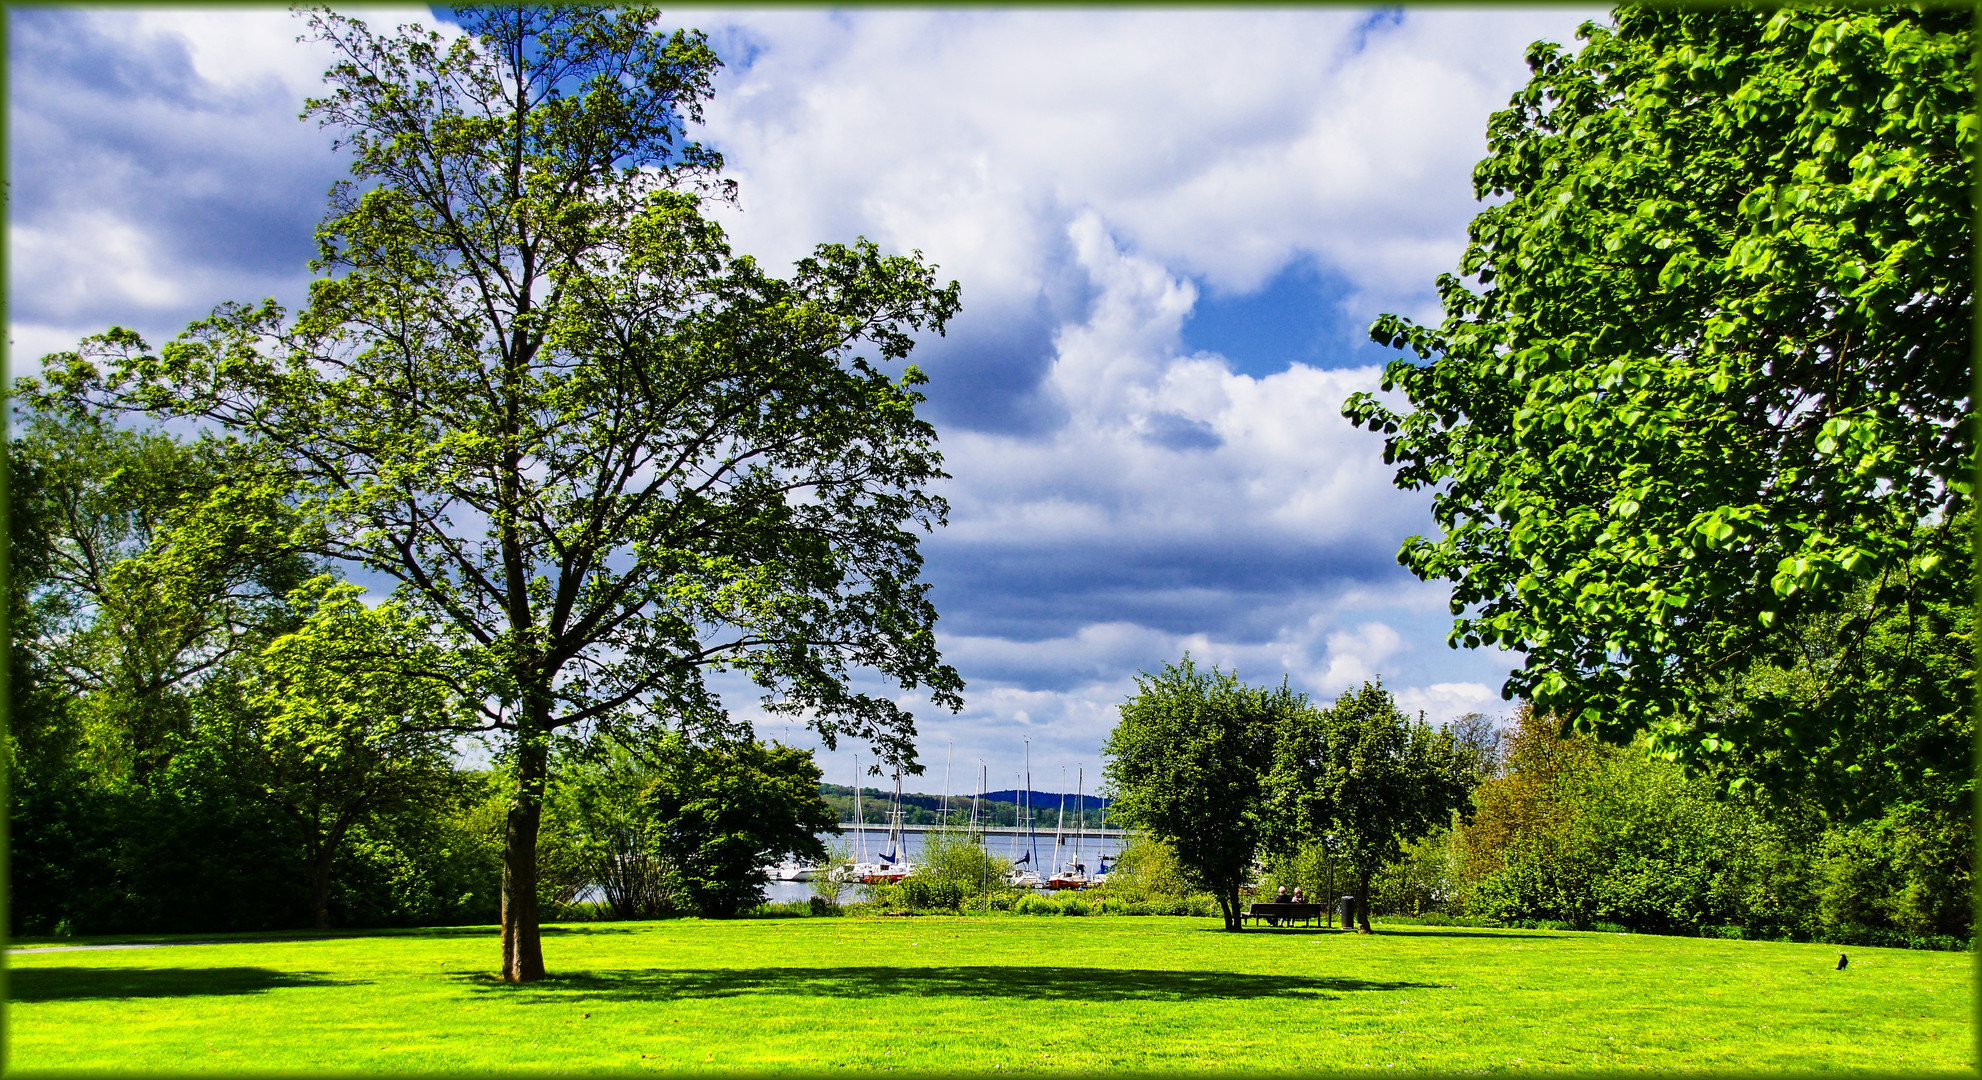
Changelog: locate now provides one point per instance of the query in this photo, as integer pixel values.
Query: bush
(1883, 938)
(1147, 869)
(1033, 904)
(927, 890)
(820, 905)
(1425, 878)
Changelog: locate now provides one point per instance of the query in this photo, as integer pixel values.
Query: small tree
(720, 814)
(1387, 780)
(597, 801)
(1187, 762)
(348, 729)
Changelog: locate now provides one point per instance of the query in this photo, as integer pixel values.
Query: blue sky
(1172, 228)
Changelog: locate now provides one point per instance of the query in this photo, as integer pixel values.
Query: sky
(1172, 228)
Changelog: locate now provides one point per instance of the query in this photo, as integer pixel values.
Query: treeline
(194, 746)
(1248, 789)
(1571, 830)
(998, 810)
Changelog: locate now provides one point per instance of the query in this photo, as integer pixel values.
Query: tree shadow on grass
(1466, 932)
(83, 983)
(1394, 931)
(982, 981)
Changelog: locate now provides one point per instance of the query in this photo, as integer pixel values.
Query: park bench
(1285, 913)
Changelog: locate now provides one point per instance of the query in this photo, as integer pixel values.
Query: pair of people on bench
(1281, 897)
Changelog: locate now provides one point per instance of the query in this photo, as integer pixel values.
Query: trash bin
(1347, 908)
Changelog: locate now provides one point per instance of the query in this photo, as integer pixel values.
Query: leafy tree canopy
(720, 814)
(1187, 763)
(1707, 373)
(1383, 779)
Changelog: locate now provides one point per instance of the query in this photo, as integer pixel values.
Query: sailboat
(1075, 874)
(1028, 877)
(859, 868)
(894, 865)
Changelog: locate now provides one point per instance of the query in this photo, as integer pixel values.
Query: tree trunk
(1363, 902)
(320, 870)
(522, 948)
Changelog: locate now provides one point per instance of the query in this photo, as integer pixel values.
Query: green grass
(981, 995)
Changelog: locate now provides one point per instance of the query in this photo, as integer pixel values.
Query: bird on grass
(1841, 961)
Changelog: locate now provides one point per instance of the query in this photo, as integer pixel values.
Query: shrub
(1425, 877)
(1147, 869)
(928, 890)
(1031, 904)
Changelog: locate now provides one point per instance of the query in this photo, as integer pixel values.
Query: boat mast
(1060, 825)
(895, 842)
(945, 819)
(860, 834)
(1032, 831)
(978, 794)
(1080, 816)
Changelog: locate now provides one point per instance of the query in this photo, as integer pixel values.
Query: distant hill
(1041, 800)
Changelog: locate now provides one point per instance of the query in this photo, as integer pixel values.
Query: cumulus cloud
(1111, 187)
(158, 166)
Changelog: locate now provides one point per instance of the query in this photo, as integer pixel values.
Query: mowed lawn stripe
(1025, 994)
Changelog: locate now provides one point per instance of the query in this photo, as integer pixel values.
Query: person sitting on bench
(1279, 897)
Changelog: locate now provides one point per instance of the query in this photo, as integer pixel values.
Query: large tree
(600, 453)
(1706, 376)
(1187, 764)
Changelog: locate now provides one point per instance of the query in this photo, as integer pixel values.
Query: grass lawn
(982, 995)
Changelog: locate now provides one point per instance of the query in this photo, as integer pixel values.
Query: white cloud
(1445, 702)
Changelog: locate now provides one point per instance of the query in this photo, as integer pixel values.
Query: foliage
(1310, 867)
(1147, 870)
(597, 813)
(1584, 833)
(148, 778)
(597, 451)
(957, 871)
(427, 863)
(1905, 673)
(346, 729)
(1423, 878)
(719, 814)
(1711, 376)
(828, 885)
(1385, 780)
(144, 565)
(1186, 763)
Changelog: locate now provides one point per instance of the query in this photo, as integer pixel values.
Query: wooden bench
(1285, 913)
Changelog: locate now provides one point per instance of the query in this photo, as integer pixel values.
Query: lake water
(1010, 848)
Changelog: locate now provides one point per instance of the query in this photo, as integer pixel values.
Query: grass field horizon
(960, 994)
